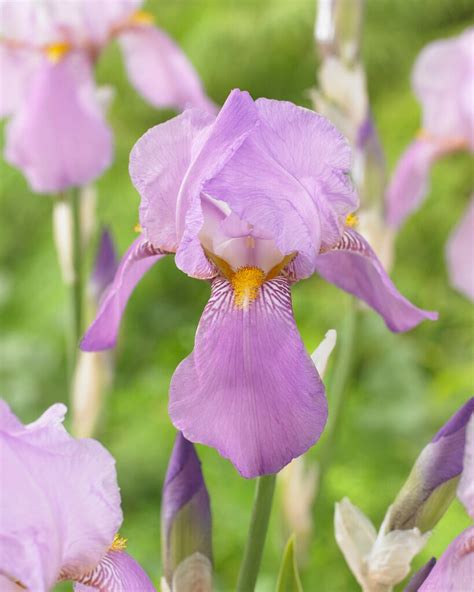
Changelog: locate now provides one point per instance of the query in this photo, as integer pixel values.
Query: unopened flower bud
(432, 483)
(186, 522)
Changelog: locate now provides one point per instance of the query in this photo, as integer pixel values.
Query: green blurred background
(403, 387)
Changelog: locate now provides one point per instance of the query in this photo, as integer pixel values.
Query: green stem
(338, 387)
(76, 285)
(262, 506)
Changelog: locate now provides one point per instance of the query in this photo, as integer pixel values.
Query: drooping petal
(117, 572)
(103, 332)
(290, 178)
(460, 254)
(17, 66)
(60, 500)
(454, 571)
(160, 71)
(158, 165)
(410, 181)
(353, 266)
(58, 138)
(249, 389)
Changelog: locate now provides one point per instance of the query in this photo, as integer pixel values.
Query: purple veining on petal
(249, 388)
(353, 266)
(117, 572)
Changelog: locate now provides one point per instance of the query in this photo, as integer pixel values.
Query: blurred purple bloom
(443, 80)
(253, 201)
(105, 266)
(433, 474)
(185, 510)
(60, 507)
(57, 134)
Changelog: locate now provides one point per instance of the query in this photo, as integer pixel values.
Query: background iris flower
(447, 100)
(57, 134)
(253, 200)
(60, 510)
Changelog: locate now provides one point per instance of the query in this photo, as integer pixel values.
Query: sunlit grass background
(403, 387)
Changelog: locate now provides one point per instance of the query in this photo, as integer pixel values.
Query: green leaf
(288, 578)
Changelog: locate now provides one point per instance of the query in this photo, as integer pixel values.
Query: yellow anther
(246, 282)
(142, 17)
(56, 51)
(118, 544)
(352, 220)
(138, 228)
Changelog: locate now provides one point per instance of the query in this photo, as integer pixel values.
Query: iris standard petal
(460, 254)
(58, 138)
(409, 184)
(117, 572)
(160, 71)
(290, 178)
(249, 388)
(454, 571)
(158, 165)
(353, 266)
(103, 332)
(235, 121)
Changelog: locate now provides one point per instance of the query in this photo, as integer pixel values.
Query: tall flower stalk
(342, 96)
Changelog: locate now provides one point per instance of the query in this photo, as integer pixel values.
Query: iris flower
(252, 201)
(57, 134)
(60, 510)
(443, 81)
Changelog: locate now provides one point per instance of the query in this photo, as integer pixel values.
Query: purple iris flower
(252, 201)
(443, 81)
(60, 510)
(57, 134)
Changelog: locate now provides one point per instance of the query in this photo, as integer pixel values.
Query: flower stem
(338, 386)
(76, 283)
(262, 506)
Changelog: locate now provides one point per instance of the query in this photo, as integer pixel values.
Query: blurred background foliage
(403, 387)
